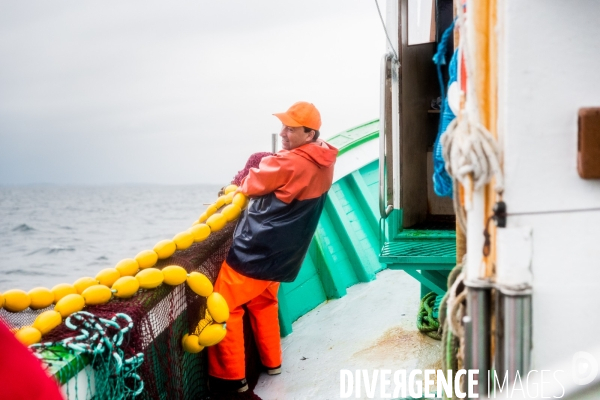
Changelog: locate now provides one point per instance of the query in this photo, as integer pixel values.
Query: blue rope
(439, 58)
(442, 182)
(101, 338)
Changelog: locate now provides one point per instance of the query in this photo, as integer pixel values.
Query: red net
(252, 162)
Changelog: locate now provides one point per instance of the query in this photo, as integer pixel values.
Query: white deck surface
(372, 327)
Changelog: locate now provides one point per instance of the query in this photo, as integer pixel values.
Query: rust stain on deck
(404, 348)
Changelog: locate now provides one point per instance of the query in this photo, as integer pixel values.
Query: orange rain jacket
(287, 194)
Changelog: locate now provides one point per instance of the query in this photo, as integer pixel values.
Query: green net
(101, 341)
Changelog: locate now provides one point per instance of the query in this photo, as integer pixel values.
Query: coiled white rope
(472, 157)
(471, 152)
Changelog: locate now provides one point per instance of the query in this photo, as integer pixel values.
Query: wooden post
(486, 83)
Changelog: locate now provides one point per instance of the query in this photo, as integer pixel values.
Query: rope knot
(471, 151)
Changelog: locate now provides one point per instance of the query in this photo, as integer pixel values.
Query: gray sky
(173, 92)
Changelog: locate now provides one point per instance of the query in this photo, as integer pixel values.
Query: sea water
(57, 234)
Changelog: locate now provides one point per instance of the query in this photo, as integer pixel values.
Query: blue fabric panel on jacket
(272, 237)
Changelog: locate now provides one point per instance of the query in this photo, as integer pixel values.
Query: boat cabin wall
(549, 63)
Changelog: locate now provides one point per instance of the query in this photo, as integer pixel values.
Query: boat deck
(373, 327)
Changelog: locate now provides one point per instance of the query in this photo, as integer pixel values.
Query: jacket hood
(321, 153)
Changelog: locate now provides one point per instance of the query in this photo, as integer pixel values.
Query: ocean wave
(23, 228)
(51, 250)
(30, 272)
(59, 244)
(99, 261)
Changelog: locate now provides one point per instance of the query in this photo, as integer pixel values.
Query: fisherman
(287, 193)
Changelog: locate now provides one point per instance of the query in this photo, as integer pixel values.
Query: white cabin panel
(549, 67)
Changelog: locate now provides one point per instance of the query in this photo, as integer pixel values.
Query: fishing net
(252, 162)
(160, 317)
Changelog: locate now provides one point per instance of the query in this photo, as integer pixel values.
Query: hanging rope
(115, 376)
(442, 182)
(471, 153)
(386, 32)
(439, 58)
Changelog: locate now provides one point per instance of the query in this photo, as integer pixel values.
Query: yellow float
(146, 258)
(230, 189)
(108, 276)
(97, 294)
(210, 210)
(83, 283)
(16, 300)
(231, 212)
(220, 202)
(127, 267)
(229, 198)
(190, 344)
(126, 287)
(28, 335)
(200, 284)
(240, 200)
(165, 249)
(70, 304)
(216, 222)
(183, 240)
(203, 218)
(212, 335)
(61, 290)
(217, 307)
(150, 278)
(174, 275)
(199, 232)
(40, 297)
(47, 321)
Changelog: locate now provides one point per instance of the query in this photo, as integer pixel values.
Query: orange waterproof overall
(226, 360)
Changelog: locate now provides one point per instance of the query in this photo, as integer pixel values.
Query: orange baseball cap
(301, 114)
